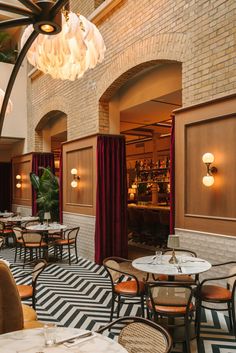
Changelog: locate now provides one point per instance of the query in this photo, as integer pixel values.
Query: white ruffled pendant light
(9, 105)
(67, 55)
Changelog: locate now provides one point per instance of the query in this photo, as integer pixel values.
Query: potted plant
(8, 53)
(47, 188)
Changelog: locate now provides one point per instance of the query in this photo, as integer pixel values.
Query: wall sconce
(74, 182)
(208, 159)
(18, 183)
(132, 193)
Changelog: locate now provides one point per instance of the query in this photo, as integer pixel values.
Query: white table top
(32, 341)
(19, 219)
(44, 227)
(6, 214)
(189, 265)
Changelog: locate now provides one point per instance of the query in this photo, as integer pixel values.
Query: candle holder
(173, 242)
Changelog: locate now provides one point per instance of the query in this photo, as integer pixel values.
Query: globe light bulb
(73, 171)
(74, 183)
(208, 180)
(208, 158)
(18, 185)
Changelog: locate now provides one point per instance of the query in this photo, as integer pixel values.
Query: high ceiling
(143, 120)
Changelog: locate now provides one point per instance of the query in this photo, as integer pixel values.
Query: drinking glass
(50, 334)
(158, 256)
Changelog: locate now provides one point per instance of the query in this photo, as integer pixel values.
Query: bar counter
(150, 207)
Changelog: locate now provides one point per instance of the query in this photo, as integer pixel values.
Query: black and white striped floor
(79, 296)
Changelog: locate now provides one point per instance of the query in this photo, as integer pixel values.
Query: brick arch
(44, 120)
(164, 47)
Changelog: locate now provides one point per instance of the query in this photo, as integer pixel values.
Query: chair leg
(69, 253)
(15, 253)
(233, 317)
(142, 306)
(24, 258)
(230, 316)
(198, 320)
(118, 306)
(187, 336)
(112, 306)
(76, 253)
(34, 302)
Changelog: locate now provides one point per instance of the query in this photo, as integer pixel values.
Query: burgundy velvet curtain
(61, 188)
(5, 186)
(172, 178)
(111, 207)
(40, 160)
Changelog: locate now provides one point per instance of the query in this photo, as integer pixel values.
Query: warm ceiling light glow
(208, 180)
(208, 158)
(47, 28)
(74, 183)
(67, 55)
(9, 105)
(18, 177)
(18, 185)
(73, 171)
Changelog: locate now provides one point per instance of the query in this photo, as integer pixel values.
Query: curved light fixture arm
(24, 21)
(31, 15)
(32, 6)
(14, 73)
(16, 9)
(58, 6)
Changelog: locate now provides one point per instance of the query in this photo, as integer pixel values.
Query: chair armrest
(225, 263)
(216, 279)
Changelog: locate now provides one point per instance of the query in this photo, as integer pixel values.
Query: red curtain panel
(5, 186)
(61, 188)
(40, 160)
(172, 178)
(111, 205)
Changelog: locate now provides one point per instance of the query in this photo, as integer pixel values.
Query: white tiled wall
(212, 247)
(25, 210)
(85, 244)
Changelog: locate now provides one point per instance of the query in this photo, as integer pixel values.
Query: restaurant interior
(117, 176)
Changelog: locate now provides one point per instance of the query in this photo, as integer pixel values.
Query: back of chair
(72, 233)
(231, 282)
(113, 269)
(171, 294)
(2, 226)
(31, 237)
(17, 231)
(180, 252)
(139, 337)
(11, 314)
(1, 242)
(39, 266)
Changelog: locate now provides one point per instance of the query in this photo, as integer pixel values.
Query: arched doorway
(140, 105)
(51, 132)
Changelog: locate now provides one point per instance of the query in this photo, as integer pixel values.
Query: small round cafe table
(54, 227)
(32, 341)
(187, 265)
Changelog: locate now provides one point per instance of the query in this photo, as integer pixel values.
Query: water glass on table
(158, 257)
(49, 334)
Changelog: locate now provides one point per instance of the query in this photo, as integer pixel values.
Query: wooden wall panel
(22, 165)
(210, 127)
(80, 154)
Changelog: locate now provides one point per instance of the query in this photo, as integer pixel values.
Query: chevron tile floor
(79, 296)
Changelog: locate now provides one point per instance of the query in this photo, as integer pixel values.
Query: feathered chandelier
(67, 55)
(59, 43)
(9, 104)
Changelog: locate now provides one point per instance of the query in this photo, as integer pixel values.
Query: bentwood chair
(14, 316)
(33, 243)
(1, 242)
(139, 335)
(28, 291)
(68, 241)
(18, 240)
(219, 295)
(5, 232)
(171, 303)
(125, 285)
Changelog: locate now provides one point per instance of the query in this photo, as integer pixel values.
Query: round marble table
(47, 228)
(18, 219)
(6, 214)
(187, 265)
(32, 341)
